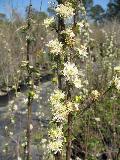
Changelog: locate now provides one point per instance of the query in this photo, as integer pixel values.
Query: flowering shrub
(65, 10)
(56, 139)
(63, 101)
(48, 22)
(58, 108)
(55, 47)
(85, 100)
(71, 74)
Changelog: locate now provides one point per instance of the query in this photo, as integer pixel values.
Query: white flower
(12, 121)
(11, 102)
(11, 133)
(95, 94)
(82, 52)
(117, 68)
(15, 107)
(78, 158)
(48, 21)
(6, 144)
(36, 96)
(76, 106)
(6, 127)
(77, 83)
(4, 150)
(43, 140)
(24, 144)
(19, 158)
(31, 126)
(80, 25)
(117, 83)
(72, 74)
(59, 110)
(70, 106)
(65, 11)
(25, 100)
(56, 139)
(55, 46)
(55, 146)
(69, 32)
(57, 96)
(70, 71)
(97, 119)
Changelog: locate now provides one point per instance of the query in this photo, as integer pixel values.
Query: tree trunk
(29, 107)
(69, 137)
(61, 27)
(58, 156)
(28, 130)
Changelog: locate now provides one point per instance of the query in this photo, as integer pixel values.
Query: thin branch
(87, 104)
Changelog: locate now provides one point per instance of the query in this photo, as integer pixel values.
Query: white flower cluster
(80, 26)
(71, 74)
(58, 108)
(77, 82)
(69, 32)
(60, 111)
(12, 109)
(82, 52)
(83, 24)
(65, 11)
(117, 83)
(117, 69)
(70, 71)
(49, 21)
(19, 158)
(95, 94)
(55, 46)
(109, 46)
(116, 79)
(69, 36)
(82, 10)
(57, 96)
(84, 30)
(56, 139)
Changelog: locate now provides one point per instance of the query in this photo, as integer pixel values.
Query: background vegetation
(96, 131)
